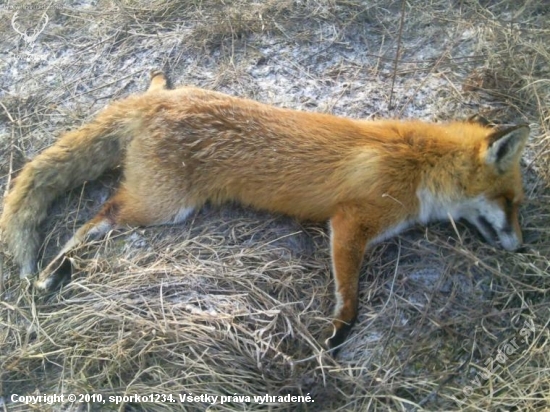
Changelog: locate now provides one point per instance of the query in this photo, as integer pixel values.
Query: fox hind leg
(121, 210)
(159, 81)
(59, 269)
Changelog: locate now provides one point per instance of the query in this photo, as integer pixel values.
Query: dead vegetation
(234, 301)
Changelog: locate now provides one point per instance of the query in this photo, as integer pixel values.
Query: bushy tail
(80, 155)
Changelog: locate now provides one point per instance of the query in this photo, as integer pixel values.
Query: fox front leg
(348, 238)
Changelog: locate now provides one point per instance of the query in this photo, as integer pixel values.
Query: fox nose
(509, 242)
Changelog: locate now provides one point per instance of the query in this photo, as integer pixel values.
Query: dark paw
(338, 337)
(164, 76)
(54, 275)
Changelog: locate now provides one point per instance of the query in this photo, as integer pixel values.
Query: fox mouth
(505, 239)
(487, 231)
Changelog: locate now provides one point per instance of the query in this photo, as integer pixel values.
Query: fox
(181, 148)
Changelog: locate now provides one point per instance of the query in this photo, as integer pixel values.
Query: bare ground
(234, 301)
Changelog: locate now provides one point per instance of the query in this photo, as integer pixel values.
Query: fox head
(487, 187)
(497, 189)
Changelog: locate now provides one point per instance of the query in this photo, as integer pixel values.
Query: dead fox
(185, 147)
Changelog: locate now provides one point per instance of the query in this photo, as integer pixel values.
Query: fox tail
(78, 156)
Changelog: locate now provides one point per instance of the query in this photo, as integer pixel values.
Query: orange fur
(181, 148)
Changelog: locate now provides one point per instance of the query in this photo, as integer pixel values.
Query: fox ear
(505, 146)
(479, 119)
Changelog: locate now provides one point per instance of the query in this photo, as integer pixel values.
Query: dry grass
(234, 301)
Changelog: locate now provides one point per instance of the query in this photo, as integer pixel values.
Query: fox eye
(508, 205)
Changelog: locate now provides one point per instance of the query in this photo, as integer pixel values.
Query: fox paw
(54, 275)
(338, 334)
